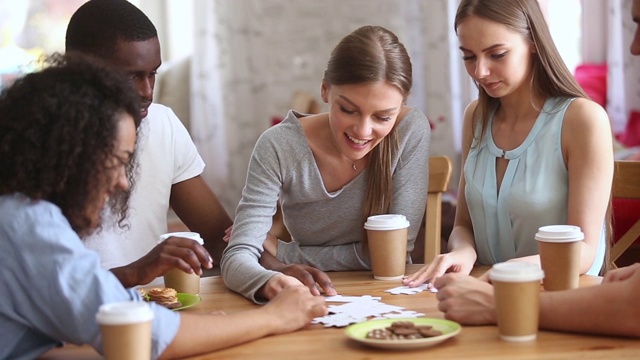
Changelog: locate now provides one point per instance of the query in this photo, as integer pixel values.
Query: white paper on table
(405, 290)
(359, 309)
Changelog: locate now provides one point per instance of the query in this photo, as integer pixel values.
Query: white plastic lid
(184, 234)
(559, 233)
(122, 313)
(386, 222)
(516, 272)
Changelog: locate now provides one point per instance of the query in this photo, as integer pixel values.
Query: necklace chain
(354, 166)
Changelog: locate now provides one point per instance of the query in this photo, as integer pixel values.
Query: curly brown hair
(57, 130)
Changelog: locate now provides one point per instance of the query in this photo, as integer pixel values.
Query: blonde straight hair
(550, 75)
(371, 54)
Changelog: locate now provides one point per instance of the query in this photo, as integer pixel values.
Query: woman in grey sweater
(367, 155)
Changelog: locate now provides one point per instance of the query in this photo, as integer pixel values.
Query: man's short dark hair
(98, 25)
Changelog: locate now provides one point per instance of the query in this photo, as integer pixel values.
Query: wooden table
(317, 342)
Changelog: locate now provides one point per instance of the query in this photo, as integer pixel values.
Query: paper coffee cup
(387, 242)
(516, 288)
(560, 247)
(178, 279)
(126, 330)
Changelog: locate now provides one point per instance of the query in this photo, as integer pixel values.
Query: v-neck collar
(518, 151)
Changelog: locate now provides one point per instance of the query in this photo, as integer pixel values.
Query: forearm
(212, 229)
(243, 272)
(588, 255)
(200, 334)
(461, 240)
(608, 309)
(342, 257)
(202, 212)
(127, 275)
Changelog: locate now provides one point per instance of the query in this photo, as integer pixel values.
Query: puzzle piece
(357, 309)
(405, 290)
(337, 320)
(340, 298)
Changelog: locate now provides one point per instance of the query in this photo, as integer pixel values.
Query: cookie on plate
(166, 297)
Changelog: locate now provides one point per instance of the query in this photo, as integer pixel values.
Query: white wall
(267, 49)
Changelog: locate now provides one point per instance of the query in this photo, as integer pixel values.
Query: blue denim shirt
(52, 285)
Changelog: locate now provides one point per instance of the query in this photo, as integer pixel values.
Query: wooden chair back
(439, 176)
(626, 185)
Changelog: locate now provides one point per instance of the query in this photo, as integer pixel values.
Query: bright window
(564, 18)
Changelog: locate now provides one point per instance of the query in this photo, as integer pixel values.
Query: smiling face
(361, 115)
(116, 165)
(140, 61)
(496, 57)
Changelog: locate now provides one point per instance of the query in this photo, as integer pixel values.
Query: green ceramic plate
(358, 332)
(187, 300)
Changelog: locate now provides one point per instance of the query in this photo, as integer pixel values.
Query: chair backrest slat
(439, 176)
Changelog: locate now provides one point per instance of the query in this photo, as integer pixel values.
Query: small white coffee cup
(126, 330)
(517, 294)
(387, 242)
(559, 247)
(177, 279)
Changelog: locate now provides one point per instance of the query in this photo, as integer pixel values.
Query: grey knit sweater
(326, 227)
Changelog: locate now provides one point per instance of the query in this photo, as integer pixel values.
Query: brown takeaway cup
(177, 279)
(560, 247)
(516, 287)
(126, 330)
(387, 242)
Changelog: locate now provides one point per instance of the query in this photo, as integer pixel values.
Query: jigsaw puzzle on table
(362, 308)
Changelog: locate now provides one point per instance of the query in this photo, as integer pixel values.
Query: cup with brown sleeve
(177, 279)
(516, 287)
(126, 330)
(560, 247)
(387, 244)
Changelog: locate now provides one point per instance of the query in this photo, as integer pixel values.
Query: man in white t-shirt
(169, 166)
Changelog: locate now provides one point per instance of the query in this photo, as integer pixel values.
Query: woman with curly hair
(67, 142)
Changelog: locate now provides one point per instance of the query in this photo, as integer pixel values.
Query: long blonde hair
(550, 75)
(370, 54)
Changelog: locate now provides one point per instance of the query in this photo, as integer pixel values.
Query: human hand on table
(466, 300)
(315, 280)
(294, 307)
(455, 261)
(174, 252)
(276, 284)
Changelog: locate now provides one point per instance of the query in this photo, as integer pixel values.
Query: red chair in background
(626, 210)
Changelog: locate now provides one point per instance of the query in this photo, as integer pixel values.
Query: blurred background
(233, 68)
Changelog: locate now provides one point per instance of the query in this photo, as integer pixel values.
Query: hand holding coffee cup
(560, 247)
(126, 330)
(516, 287)
(176, 278)
(387, 242)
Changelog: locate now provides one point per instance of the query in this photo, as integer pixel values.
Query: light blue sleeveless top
(534, 190)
